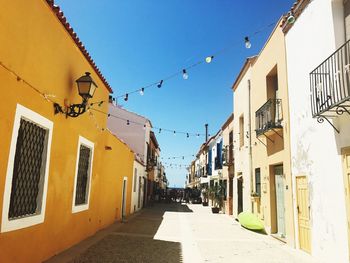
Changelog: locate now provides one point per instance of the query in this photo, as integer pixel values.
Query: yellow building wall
(36, 51)
(273, 54)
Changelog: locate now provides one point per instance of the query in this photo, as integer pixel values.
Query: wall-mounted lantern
(86, 89)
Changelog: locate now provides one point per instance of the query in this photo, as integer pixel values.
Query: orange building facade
(61, 178)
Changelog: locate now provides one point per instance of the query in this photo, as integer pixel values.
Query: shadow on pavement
(134, 241)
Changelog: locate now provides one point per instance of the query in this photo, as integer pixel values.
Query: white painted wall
(241, 154)
(134, 135)
(141, 173)
(315, 148)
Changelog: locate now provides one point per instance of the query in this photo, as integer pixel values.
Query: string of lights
(177, 157)
(45, 96)
(144, 125)
(184, 71)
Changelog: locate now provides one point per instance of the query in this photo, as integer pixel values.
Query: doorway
(303, 210)
(124, 197)
(230, 196)
(239, 195)
(139, 194)
(280, 209)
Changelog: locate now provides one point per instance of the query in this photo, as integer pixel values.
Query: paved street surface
(180, 233)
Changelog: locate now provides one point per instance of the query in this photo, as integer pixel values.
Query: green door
(279, 183)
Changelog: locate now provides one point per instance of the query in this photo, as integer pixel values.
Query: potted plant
(217, 193)
(205, 196)
(254, 196)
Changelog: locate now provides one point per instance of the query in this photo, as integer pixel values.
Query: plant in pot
(218, 194)
(205, 196)
(255, 196)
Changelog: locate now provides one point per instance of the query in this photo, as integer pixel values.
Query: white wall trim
(89, 144)
(14, 224)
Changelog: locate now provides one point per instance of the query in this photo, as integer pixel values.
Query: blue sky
(137, 42)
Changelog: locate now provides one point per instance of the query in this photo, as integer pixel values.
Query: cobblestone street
(180, 233)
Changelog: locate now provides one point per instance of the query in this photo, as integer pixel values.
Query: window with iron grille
(83, 175)
(28, 170)
(25, 189)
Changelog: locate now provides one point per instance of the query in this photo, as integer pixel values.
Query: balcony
(269, 117)
(330, 86)
(151, 163)
(227, 156)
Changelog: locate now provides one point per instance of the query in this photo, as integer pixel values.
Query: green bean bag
(250, 221)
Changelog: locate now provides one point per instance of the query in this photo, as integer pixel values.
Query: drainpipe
(206, 132)
(250, 140)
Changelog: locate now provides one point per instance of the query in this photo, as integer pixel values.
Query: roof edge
(60, 15)
(296, 10)
(249, 61)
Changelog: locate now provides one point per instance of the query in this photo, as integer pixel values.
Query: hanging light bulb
(184, 74)
(197, 134)
(126, 97)
(187, 135)
(209, 59)
(160, 130)
(160, 84)
(127, 122)
(174, 133)
(144, 126)
(291, 18)
(247, 42)
(142, 91)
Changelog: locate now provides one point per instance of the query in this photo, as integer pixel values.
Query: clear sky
(137, 42)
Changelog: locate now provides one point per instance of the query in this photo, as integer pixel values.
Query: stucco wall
(276, 150)
(134, 134)
(35, 46)
(315, 147)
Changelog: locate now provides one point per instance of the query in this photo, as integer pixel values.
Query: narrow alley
(180, 233)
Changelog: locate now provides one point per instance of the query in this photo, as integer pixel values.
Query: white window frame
(14, 224)
(89, 144)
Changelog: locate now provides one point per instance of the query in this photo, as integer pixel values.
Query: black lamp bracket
(73, 110)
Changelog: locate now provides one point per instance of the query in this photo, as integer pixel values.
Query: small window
(135, 179)
(83, 175)
(257, 182)
(27, 172)
(241, 131)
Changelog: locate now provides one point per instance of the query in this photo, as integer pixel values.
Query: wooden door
(346, 168)
(279, 184)
(240, 195)
(303, 209)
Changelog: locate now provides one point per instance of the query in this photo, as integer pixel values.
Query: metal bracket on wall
(269, 138)
(278, 133)
(321, 118)
(261, 141)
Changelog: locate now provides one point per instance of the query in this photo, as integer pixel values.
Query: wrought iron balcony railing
(227, 155)
(330, 85)
(269, 116)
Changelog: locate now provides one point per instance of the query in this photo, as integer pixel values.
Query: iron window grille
(28, 170)
(83, 175)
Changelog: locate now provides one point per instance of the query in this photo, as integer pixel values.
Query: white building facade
(134, 130)
(318, 65)
(241, 134)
